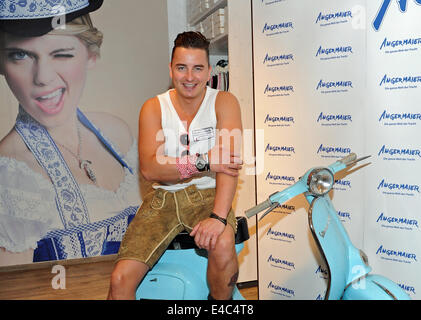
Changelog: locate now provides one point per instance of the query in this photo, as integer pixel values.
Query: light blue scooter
(180, 273)
(348, 269)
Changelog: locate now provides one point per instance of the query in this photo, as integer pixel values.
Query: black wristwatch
(215, 216)
(202, 163)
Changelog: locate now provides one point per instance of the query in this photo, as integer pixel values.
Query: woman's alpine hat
(32, 18)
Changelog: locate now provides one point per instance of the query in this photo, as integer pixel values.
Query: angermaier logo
(277, 28)
(400, 45)
(278, 60)
(332, 151)
(278, 91)
(326, 19)
(280, 263)
(396, 255)
(277, 235)
(344, 216)
(399, 82)
(282, 151)
(402, 154)
(401, 189)
(408, 288)
(326, 119)
(284, 209)
(274, 178)
(330, 53)
(342, 185)
(278, 120)
(280, 290)
(397, 222)
(400, 119)
(334, 86)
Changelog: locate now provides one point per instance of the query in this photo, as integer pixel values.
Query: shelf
(204, 15)
(219, 45)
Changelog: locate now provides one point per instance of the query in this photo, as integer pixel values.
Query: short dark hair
(191, 39)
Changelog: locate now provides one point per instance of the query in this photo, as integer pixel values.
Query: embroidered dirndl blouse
(29, 217)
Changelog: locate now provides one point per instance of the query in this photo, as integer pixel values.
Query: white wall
(177, 21)
(241, 85)
(366, 73)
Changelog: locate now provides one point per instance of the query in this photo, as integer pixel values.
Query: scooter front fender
(374, 287)
(343, 260)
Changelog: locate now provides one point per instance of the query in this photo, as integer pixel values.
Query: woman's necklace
(84, 164)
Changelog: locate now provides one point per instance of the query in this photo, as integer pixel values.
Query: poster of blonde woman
(69, 182)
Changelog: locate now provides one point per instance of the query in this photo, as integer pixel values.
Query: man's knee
(226, 243)
(118, 277)
(228, 237)
(224, 250)
(127, 274)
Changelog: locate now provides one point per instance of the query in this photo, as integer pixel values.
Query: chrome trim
(352, 162)
(364, 258)
(387, 291)
(352, 282)
(315, 171)
(375, 282)
(313, 232)
(323, 233)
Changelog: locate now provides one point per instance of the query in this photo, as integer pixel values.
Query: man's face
(190, 71)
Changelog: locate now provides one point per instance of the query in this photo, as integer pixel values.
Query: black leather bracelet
(215, 216)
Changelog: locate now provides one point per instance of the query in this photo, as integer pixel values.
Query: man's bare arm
(229, 127)
(155, 165)
(230, 136)
(151, 143)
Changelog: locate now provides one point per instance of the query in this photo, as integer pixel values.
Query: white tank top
(201, 133)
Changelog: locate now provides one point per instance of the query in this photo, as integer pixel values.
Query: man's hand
(206, 233)
(223, 160)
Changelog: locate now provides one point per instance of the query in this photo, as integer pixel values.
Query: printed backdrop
(333, 77)
(132, 68)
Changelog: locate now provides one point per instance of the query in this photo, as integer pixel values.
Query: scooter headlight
(320, 181)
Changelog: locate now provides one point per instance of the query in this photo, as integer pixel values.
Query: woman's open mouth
(52, 102)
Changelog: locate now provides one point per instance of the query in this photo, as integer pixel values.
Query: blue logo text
(399, 254)
(337, 50)
(397, 186)
(333, 16)
(396, 220)
(334, 84)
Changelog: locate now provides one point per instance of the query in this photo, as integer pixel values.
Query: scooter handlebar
(260, 207)
(349, 159)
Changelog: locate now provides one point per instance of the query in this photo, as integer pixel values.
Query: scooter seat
(184, 241)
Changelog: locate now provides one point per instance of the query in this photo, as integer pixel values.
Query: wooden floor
(250, 293)
(85, 279)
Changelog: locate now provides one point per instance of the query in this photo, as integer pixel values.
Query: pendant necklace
(84, 164)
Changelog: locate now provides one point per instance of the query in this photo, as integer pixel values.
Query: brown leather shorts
(163, 215)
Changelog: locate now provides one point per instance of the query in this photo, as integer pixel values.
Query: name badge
(203, 134)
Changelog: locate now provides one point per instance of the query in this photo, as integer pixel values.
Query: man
(195, 172)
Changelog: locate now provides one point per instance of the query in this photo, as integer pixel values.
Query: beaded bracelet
(186, 166)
